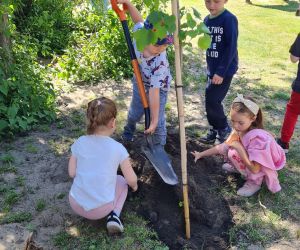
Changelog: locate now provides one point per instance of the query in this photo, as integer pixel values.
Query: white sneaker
(229, 168)
(248, 189)
(114, 224)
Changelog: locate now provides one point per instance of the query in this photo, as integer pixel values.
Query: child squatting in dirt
(97, 190)
(249, 150)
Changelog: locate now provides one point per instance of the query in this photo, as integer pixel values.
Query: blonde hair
(99, 112)
(240, 107)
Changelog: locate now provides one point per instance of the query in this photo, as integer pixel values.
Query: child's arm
(129, 174)
(154, 104)
(72, 166)
(295, 50)
(294, 59)
(254, 167)
(232, 137)
(133, 11)
(208, 152)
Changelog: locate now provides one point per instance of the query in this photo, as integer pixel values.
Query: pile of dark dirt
(161, 204)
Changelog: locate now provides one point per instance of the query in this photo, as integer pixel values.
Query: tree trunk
(5, 42)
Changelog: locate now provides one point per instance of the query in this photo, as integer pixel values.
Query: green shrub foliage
(48, 22)
(97, 49)
(26, 97)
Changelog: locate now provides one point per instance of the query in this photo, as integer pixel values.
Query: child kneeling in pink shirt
(249, 150)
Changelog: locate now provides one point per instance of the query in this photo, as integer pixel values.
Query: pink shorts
(101, 212)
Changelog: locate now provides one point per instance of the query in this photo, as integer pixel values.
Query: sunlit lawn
(266, 30)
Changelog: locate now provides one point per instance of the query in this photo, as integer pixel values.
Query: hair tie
(252, 106)
(99, 102)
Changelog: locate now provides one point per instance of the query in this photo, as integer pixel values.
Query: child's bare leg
(121, 194)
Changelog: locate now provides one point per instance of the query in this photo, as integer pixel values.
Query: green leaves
(190, 21)
(162, 24)
(204, 41)
(153, 5)
(4, 88)
(196, 13)
(3, 125)
(193, 27)
(12, 111)
(25, 92)
(98, 49)
(203, 29)
(144, 37)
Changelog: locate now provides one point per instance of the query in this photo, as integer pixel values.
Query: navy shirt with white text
(222, 56)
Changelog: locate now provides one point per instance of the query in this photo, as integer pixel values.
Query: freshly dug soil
(162, 204)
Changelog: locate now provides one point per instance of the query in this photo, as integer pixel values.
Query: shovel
(155, 153)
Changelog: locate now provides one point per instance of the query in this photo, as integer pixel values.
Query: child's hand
(123, 1)
(217, 79)
(151, 128)
(197, 155)
(135, 188)
(232, 138)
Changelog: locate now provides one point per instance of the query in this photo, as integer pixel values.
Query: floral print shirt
(155, 70)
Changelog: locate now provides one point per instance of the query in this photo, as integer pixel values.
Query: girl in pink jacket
(249, 150)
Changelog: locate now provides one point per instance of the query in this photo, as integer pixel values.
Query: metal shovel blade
(161, 162)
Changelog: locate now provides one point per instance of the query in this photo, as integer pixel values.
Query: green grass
(10, 198)
(85, 236)
(31, 149)
(20, 181)
(7, 158)
(7, 168)
(265, 35)
(16, 217)
(40, 205)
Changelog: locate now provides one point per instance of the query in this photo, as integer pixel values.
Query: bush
(49, 23)
(98, 49)
(26, 96)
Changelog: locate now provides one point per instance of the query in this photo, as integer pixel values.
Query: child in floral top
(156, 76)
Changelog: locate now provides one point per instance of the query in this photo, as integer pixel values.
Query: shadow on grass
(290, 6)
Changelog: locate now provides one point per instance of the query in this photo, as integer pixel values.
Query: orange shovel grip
(120, 13)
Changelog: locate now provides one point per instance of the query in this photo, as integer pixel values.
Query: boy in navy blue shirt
(222, 64)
